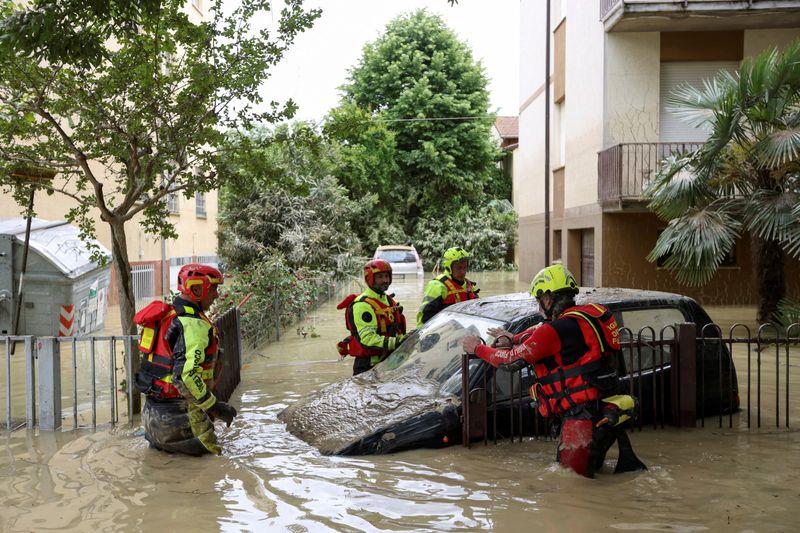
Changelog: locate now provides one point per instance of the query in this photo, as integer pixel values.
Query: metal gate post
(49, 364)
(132, 368)
(684, 377)
(30, 378)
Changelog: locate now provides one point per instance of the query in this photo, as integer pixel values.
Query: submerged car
(404, 259)
(413, 398)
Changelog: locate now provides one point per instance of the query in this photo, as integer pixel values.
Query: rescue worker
(573, 354)
(373, 318)
(179, 347)
(450, 287)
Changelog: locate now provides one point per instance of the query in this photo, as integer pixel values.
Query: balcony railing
(624, 170)
(605, 7)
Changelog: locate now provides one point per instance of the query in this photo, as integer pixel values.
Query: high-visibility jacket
(376, 325)
(442, 291)
(573, 358)
(179, 346)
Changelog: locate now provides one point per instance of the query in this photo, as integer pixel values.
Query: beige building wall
(612, 96)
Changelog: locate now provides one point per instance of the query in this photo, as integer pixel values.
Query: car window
(434, 351)
(636, 320)
(397, 256)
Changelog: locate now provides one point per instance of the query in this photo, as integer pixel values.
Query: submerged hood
(353, 409)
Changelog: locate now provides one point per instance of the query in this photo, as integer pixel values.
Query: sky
(319, 61)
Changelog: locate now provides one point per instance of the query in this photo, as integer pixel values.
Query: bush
(489, 234)
(278, 294)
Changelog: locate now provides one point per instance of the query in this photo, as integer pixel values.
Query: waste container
(64, 293)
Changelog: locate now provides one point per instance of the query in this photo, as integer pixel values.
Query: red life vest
(390, 322)
(457, 293)
(584, 369)
(155, 371)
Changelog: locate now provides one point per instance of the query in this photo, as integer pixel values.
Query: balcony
(624, 170)
(698, 15)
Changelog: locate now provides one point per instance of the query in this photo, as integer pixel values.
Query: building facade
(613, 62)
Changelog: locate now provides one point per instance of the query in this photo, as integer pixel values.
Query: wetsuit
(571, 359)
(175, 415)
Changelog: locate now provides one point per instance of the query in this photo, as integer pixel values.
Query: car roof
(510, 307)
(395, 247)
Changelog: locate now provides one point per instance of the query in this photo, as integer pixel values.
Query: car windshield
(434, 351)
(397, 256)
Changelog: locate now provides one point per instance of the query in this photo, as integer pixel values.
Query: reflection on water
(109, 480)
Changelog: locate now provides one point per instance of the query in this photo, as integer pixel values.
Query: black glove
(514, 366)
(222, 411)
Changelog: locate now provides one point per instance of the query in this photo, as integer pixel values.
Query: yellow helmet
(452, 255)
(553, 279)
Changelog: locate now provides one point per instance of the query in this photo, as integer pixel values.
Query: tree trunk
(770, 276)
(122, 268)
(127, 307)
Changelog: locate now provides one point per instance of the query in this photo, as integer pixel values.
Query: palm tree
(745, 178)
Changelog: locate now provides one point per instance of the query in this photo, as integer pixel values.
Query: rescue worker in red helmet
(179, 347)
(373, 318)
(451, 287)
(573, 354)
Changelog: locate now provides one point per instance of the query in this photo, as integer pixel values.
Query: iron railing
(624, 170)
(606, 6)
(85, 372)
(680, 377)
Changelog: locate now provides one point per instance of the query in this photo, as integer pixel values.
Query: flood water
(108, 479)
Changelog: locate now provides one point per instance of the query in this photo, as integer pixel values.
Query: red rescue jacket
(583, 369)
(155, 371)
(390, 322)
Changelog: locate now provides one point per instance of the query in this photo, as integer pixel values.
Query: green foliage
(278, 294)
(423, 84)
(280, 196)
(488, 233)
(745, 178)
(788, 315)
(131, 106)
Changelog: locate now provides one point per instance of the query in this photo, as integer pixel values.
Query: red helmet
(375, 266)
(197, 274)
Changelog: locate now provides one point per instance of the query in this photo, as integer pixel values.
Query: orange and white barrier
(66, 320)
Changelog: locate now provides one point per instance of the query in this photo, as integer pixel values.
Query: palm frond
(694, 245)
(696, 106)
(769, 214)
(676, 188)
(791, 242)
(788, 313)
(778, 147)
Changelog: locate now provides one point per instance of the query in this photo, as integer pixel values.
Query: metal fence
(144, 281)
(85, 381)
(680, 377)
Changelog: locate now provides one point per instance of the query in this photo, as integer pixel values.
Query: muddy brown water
(108, 480)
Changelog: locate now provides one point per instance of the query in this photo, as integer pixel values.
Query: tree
(745, 178)
(135, 115)
(424, 84)
(280, 197)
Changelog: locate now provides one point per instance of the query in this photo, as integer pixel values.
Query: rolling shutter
(673, 74)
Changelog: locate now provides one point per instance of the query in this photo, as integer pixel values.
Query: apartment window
(200, 204)
(561, 134)
(172, 203)
(587, 258)
(559, 61)
(557, 245)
